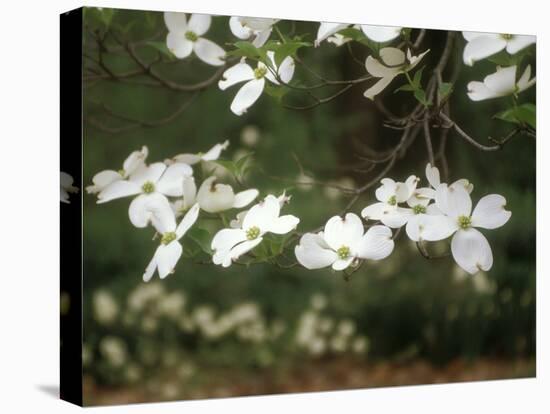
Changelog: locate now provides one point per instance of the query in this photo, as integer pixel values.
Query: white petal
(65, 179)
(286, 70)
(171, 182)
(524, 81)
(244, 198)
(405, 190)
(392, 56)
(375, 211)
(478, 91)
(134, 161)
(213, 197)
(239, 73)
(387, 190)
(381, 34)
(482, 47)
(414, 60)
(341, 232)
(64, 197)
(214, 153)
(502, 82)
(472, 251)
(238, 28)
(118, 189)
(150, 269)
(519, 42)
(284, 224)
(453, 201)
(432, 175)
(263, 214)
(313, 253)
(377, 87)
(209, 52)
(396, 217)
(430, 227)
(262, 37)
(189, 159)
(421, 197)
(167, 257)
(241, 249)
(175, 21)
(328, 29)
(224, 241)
(151, 174)
(376, 244)
(179, 45)
(146, 206)
(463, 182)
(490, 212)
(258, 23)
(199, 23)
(379, 70)
(189, 192)
(247, 95)
(188, 220)
(342, 264)
(469, 36)
(103, 179)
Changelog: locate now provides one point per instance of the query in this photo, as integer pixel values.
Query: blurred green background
(207, 331)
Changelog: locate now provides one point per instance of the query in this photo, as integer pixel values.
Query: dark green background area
(407, 306)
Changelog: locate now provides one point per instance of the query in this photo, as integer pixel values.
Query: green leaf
(353, 34)
(406, 87)
(282, 51)
(418, 77)
(444, 90)
(202, 238)
(277, 92)
(521, 114)
(245, 49)
(420, 96)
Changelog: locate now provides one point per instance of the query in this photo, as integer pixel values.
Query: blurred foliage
(405, 306)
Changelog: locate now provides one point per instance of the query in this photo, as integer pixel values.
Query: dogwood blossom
(379, 34)
(131, 164)
(170, 249)
(501, 83)
(389, 195)
(343, 243)
(214, 197)
(147, 183)
(231, 243)
(469, 247)
(392, 63)
(255, 80)
(185, 37)
(434, 178)
(482, 45)
(237, 222)
(67, 187)
(252, 27)
(211, 155)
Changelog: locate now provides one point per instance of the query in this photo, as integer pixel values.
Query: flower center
(168, 237)
(392, 201)
(464, 222)
(252, 233)
(419, 209)
(507, 36)
(343, 252)
(122, 172)
(260, 72)
(148, 187)
(192, 36)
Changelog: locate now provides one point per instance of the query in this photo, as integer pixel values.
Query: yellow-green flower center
(260, 72)
(252, 233)
(343, 252)
(148, 187)
(168, 237)
(122, 172)
(507, 36)
(419, 209)
(464, 222)
(392, 201)
(192, 36)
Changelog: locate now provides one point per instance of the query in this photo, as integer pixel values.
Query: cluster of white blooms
(164, 191)
(67, 187)
(504, 81)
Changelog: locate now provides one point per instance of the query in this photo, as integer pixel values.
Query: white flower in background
(169, 251)
(66, 187)
(469, 247)
(255, 80)
(185, 37)
(389, 195)
(342, 243)
(392, 63)
(114, 350)
(264, 217)
(252, 27)
(152, 184)
(379, 34)
(501, 83)
(105, 307)
(482, 45)
(133, 163)
(211, 155)
(214, 197)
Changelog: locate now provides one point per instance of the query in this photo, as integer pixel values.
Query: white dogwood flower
(389, 195)
(342, 243)
(181, 205)
(185, 37)
(132, 163)
(214, 197)
(482, 45)
(469, 247)
(252, 27)
(379, 34)
(147, 183)
(231, 243)
(255, 80)
(211, 155)
(392, 63)
(237, 222)
(169, 251)
(433, 177)
(501, 83)
(67, 187)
